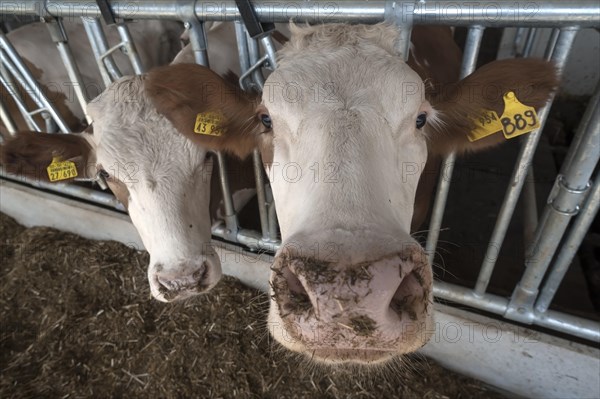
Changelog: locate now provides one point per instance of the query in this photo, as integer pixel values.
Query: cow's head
(161, 177)
(345, 127)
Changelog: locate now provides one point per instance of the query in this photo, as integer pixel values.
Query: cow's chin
(376, 355)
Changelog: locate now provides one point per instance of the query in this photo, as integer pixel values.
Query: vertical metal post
(254, 56)
(12, 90)
(19, 70)
(59, 36)
(128, 46)
(401, 14)
(569, 191)
(531, 35)
(559, 56)
(108, 68)
(469, 63)
(260, 193)
(7, 119)
(198, 40)
(231, 221)
(529, 196)
(569, 248)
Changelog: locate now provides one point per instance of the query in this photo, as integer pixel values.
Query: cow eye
(421, 120)
(266, 120)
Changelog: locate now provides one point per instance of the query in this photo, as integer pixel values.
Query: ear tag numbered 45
(61, 170)
(208, 123)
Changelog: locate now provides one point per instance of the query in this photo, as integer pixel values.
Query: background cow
(157, 43)
(350, 284)
(162, 178)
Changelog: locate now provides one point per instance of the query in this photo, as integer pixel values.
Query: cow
(339, 123)
(157, 43)
(162, 178)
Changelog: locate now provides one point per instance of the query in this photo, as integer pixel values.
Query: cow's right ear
(205, 107)
(30, 153)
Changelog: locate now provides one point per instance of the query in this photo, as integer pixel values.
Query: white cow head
(345, 127)
(161, 177)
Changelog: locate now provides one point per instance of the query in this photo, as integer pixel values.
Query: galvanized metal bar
(568, 324)
(530, 210)
(84, 193)
(269, 48)
(558, 321)
(273, 222)
(19, 70)
(198, 42)
(59, 36)
(260, 193)
(128, 47)
(585, 120)
(13, 91)
(488, 13)
(230, 215)
(531, 35)
(7, 119)
(401, 14)
(240, 35)
(569, 248)
(99, 44)
(469, 63)
(255, 59)
(563, 203)
(89, 30)
(249, 238)
(524, 158)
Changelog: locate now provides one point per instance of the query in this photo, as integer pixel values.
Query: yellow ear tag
(517, 118)
(485, 124)
(208, 123)
(61, 170)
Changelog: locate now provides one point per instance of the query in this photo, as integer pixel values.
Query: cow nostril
(299, 301)
(407, 296)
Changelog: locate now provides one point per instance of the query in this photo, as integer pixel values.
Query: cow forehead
(133, 138)
(378, 91)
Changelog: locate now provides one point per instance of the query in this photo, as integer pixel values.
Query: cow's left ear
(466, 110)
(205, 107)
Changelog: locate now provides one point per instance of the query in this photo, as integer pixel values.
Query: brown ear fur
(29, 153)
(181, 91)
(532, 80)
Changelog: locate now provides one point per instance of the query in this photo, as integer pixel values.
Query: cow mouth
(353, 356)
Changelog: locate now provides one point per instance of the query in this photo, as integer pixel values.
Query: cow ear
(30, 153)
(208, 109)
(459, 105)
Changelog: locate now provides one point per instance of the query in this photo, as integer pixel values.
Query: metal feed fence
(571, 205)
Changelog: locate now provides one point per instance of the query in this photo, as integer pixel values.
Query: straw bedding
(77, 320)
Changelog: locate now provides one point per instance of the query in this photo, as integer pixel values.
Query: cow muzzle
(365, 312)
(183, 279)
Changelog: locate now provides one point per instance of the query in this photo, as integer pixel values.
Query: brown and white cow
(162, 178)
(340, 121)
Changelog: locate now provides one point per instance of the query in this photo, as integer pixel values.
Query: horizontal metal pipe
(84, 193)
(489, 13)
(558, 321)
(250, 238)
(466, 296)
